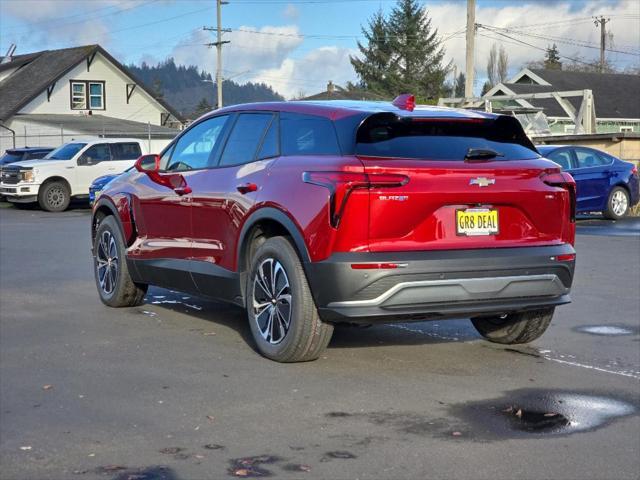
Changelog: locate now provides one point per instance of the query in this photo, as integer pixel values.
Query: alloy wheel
(55, 197)
(272, 301)
(107, 262)
(619, 203)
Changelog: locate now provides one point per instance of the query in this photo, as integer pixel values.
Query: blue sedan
(604, 183)
(97, 186)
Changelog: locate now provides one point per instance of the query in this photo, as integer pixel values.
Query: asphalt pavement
(175, 390)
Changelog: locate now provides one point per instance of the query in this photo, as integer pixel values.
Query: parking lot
(175, 390)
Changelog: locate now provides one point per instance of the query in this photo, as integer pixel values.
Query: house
(615, 98)
(53, 96)
(335, 92)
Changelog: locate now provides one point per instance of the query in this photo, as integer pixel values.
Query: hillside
(185, 88)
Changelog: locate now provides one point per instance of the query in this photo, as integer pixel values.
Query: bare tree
(492, 65)
(503, 65)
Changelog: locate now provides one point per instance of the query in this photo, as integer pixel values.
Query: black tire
(521, 327)
(122, 292)
(618, 199)
(306, 335)
(54, 196)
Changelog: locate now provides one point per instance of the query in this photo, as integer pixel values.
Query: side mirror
(148, 164)
(84, 160)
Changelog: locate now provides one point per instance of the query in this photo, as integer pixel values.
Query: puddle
(531, 412)
(607, 330)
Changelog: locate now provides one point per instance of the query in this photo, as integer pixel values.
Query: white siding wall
(141, 107)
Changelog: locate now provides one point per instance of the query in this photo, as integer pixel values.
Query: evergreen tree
(403, 54)
(203, 107)
(373, 68)
(552, 58)
(458, 88)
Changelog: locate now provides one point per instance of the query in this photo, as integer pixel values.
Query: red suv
(314, 213)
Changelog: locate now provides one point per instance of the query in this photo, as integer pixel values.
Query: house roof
(36, 71)
(615, 95)
(99, 125)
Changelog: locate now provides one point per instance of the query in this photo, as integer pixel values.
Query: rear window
(307, 135)
(125, 151)
(387, 135)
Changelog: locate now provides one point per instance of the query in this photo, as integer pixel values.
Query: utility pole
(603, 37)
(471, 34)
(218, 44)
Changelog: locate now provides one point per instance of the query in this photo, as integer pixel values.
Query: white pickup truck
(67, 171)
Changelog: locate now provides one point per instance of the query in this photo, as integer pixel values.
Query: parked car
(604, 183)
(68, 171)
(98, 185)
(313, 213)
(13, 155)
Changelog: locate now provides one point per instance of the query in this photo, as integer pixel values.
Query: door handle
(247, 187)
(183, 190)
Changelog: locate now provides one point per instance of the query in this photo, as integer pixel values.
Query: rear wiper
(481, 154)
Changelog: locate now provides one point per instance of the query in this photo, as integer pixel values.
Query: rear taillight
(634, 170)
(341, 184)
(566, 181)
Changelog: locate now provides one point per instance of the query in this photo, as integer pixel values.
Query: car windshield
(65, 152)
(10, 157)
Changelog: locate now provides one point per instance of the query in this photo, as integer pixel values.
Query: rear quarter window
(307, 135)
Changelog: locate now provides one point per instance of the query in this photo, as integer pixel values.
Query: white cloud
(267, 57)
(450, 18)
(291, 12)
(52, 20)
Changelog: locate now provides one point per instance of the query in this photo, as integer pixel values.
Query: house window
(96, 96)
(78, 96)
(87, 95)
(626, 129)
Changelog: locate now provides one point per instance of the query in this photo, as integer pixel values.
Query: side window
(97, 153)
(269, 147)
(125, 151)
(196, 147)
(562, 158)
(589, 158)
(245, 138)
(307, 135)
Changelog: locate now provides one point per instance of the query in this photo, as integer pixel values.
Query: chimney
(9, 56)
(331, 87)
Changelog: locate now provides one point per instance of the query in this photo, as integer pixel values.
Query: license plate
(477, 221)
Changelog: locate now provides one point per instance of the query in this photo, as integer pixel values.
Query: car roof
(28, 149)
(336, 109)
(104, 140)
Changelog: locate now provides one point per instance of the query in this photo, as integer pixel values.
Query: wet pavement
(174, 389)
(597, 225)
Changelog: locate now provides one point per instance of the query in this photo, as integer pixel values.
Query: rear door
(123, 156)
(223, 196)
(494, 198)
(592, 173)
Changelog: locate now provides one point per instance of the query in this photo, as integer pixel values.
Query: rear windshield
(65, 152)
(442, 139)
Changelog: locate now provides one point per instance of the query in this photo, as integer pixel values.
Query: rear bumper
(440, 284)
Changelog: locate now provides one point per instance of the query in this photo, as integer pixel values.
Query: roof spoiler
(406, 101)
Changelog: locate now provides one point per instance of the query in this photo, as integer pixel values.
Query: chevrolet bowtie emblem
(482, 181)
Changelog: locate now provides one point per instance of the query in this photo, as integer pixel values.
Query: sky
(297, 46)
